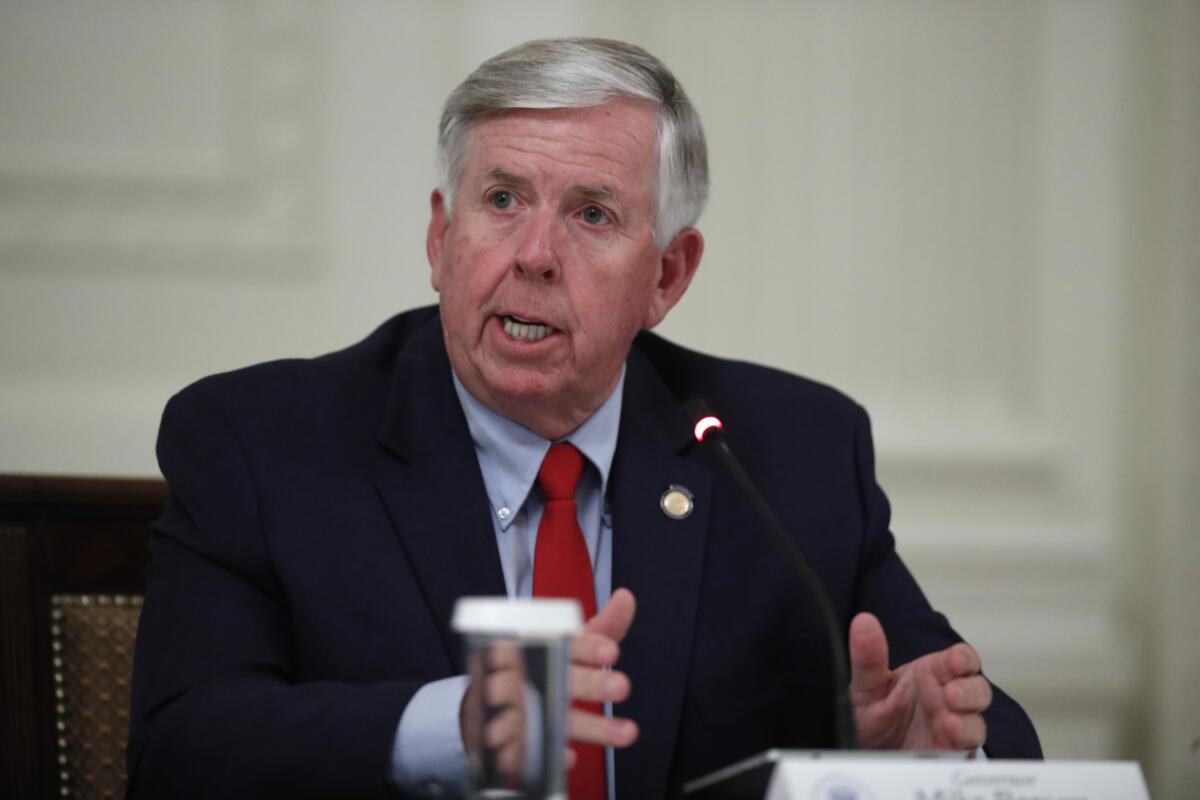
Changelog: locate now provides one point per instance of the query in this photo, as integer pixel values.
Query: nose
(537, 255)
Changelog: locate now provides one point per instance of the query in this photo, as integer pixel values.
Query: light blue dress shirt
(428, 746)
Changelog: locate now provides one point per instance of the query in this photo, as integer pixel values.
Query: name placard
(864, 779)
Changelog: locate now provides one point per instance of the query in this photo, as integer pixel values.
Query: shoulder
(331, 389)
(364, 360)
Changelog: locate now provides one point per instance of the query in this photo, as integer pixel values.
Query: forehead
(614, 145)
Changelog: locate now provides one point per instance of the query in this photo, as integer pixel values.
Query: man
(326, 514)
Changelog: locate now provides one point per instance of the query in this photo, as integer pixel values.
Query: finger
(956, 661)
(506, 727)
(870, 677)
(973, 694)
(961, 731)
(594, 649)
(615, 618)
(504, 655)
(599, 685)
(510, 762)
(584, 726)
(503, 688)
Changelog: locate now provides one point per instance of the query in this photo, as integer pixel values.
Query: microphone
(708, 429)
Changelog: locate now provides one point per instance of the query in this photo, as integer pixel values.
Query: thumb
(870, 677)
(615, 618)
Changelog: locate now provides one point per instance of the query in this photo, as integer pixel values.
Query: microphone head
(705, 421)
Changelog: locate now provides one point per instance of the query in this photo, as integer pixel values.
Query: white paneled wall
(978, 218)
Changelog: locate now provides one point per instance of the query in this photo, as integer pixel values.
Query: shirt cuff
(427, 754)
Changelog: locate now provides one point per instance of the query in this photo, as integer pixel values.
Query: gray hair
(581, 73)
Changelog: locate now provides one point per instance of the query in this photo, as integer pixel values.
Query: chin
(522, 385)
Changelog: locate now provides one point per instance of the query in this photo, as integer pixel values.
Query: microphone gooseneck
(708, 430)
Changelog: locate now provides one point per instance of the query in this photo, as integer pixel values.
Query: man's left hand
(935, 702)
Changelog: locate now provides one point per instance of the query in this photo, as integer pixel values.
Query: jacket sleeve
(887, 589)
(216, 709)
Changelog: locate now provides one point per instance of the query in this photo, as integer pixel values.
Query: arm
(217, 710)
(919, 687)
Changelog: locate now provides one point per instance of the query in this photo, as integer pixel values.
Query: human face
(548, 267)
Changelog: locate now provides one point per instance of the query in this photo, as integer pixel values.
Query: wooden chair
(72, 551)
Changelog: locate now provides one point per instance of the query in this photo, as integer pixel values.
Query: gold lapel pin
(676, 502)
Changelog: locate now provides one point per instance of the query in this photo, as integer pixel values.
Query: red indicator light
(704, 425)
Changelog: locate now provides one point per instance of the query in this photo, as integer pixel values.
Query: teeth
(529, 331)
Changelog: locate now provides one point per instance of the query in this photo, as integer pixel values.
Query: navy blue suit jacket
(325, 514)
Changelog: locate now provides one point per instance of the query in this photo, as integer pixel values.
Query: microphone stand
(708, 429)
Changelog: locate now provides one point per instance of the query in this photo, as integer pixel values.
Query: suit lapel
(434, 491)
(660, 560)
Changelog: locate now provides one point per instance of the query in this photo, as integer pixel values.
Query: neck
(552, 418)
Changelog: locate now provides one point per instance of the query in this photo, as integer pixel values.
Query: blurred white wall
(979, 218)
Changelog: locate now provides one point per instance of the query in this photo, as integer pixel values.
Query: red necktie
(563, 568)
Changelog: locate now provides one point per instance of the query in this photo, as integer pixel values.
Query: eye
(502, 200)
(595, 215)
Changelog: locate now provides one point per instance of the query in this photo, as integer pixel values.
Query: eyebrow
(508, 177)
(596, 192)
(601, 192)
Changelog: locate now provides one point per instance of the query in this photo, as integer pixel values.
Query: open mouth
(525, 329)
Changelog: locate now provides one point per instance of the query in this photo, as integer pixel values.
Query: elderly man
(326, 514)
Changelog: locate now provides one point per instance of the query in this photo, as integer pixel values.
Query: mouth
(525, 329)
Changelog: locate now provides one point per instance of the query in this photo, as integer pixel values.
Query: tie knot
(560, 471)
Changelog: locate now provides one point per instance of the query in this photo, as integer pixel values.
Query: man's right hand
(593, 652)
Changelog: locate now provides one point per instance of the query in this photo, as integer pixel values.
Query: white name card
(868, 779)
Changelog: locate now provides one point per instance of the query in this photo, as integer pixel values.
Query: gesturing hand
(935, 702)
(593, 651)
(506, 733)
(500, 686)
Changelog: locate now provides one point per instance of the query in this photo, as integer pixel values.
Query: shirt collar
(511, 454)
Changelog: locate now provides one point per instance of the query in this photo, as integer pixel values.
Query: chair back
(72, 551)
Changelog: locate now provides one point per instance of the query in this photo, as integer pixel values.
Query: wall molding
(255, 203)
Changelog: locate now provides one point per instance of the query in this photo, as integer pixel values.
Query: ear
(677, 265)
(435, 236)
